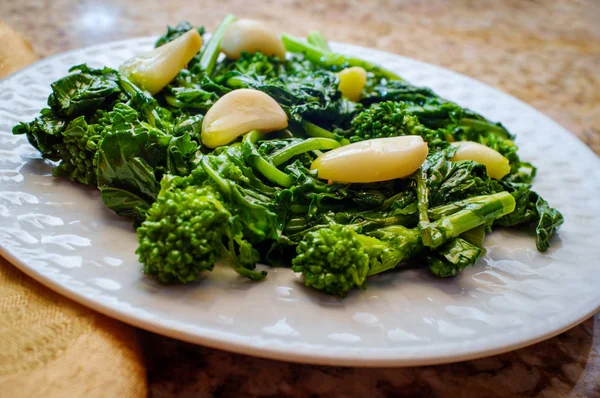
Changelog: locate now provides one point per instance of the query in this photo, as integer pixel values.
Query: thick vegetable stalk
(480, 212)
(389, 246)
(211, 51)
(267, 169)
(337, 258)
(329, 59)
(318, 40)
(311, 144)
(477, 211)
(267, 165)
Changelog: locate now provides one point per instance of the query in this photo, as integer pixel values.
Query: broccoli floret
(332, 260)
(182, 234)
(336, 259)
(385, 119)
(219, 211)
(77, 151)
(389, 246)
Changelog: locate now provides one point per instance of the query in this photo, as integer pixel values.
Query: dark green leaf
(84, 90)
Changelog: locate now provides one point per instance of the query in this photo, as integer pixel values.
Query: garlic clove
(154, 70)
(246, 35)
(239, 112)
(497, 166)
(379, 159)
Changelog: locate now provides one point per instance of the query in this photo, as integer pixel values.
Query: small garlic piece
(379, 159)
(154, 70)
(352, 82)
(497, 166)
(237, 113)
(247, 35)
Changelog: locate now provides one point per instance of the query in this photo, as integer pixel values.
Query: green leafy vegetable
(325, 58)
(453, 257)
(388, 119)
(258, 199)
(332, 260)
(133, 157)
(182, 234)
(84, 90)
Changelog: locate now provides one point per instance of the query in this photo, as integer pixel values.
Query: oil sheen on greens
(256, 200)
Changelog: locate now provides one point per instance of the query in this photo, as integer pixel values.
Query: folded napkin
(49, 345)
(15, 52)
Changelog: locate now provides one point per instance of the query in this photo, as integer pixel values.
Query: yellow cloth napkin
(15, 52)
(49, 345)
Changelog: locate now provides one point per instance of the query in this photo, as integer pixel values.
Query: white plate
(62, 235)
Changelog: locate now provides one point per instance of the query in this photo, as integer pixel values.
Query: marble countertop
(546, 53)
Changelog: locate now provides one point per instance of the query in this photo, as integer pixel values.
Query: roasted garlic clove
(239, 112)
(379, 159)
(246, 35)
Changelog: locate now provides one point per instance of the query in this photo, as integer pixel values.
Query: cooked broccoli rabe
(259, 198)
(69, 130)
(77, 150)
(318, 54)
(219, 211)
(182, 234)
(387, 119)
(332, 258)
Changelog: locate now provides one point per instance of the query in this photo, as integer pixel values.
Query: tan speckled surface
(546, 53)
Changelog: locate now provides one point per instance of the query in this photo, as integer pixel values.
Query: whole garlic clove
(379, 159)
(154, 70)
(247, 35)
(237, 113)
(497, 166)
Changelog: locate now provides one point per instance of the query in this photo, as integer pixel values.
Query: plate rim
(308, 355)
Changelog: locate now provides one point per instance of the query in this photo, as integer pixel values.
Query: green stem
(209, 55)
(475, 236)
(399, 219)
(311, 144)
(231, 257)
(422, 196)
(488, 209)
(268, 170)
(484, 125)
(442, 211)
(131, 89)
(252, 137)
(330, 59)
(312, 130)
(212, 173)
(318, 40)
(236, 82)
(404, 244)
(315, 131)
